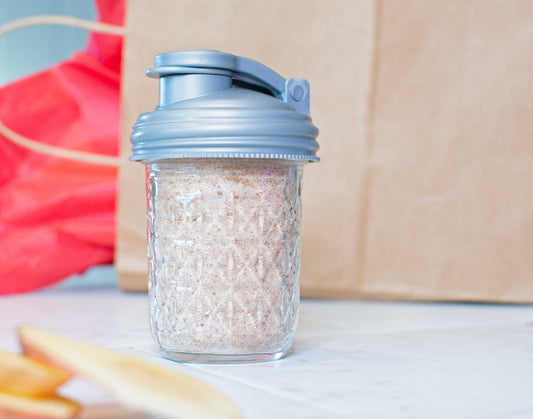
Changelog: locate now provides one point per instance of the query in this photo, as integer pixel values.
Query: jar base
(199, 358)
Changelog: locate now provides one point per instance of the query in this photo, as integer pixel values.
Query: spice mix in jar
(224, 154)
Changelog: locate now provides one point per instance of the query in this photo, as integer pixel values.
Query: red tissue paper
(57, 217)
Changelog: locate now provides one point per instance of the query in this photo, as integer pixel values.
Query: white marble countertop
(350, 359)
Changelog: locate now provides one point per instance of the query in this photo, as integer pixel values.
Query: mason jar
(224, 164)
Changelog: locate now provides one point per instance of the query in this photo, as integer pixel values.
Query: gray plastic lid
(213, 104)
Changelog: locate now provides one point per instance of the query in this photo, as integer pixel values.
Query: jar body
(224, 257)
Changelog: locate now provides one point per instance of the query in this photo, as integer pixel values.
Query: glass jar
(224, 152)
(224, 257)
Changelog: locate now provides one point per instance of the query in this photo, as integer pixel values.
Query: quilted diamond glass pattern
(224, 254)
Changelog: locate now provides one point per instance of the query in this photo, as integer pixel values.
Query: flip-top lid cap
(213, 104)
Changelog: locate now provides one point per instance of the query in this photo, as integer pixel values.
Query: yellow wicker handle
(20, 140)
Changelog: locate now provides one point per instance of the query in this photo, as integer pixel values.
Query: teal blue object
(102, 276)
(26, 51)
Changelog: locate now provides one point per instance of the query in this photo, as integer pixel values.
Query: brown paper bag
(425, 189)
